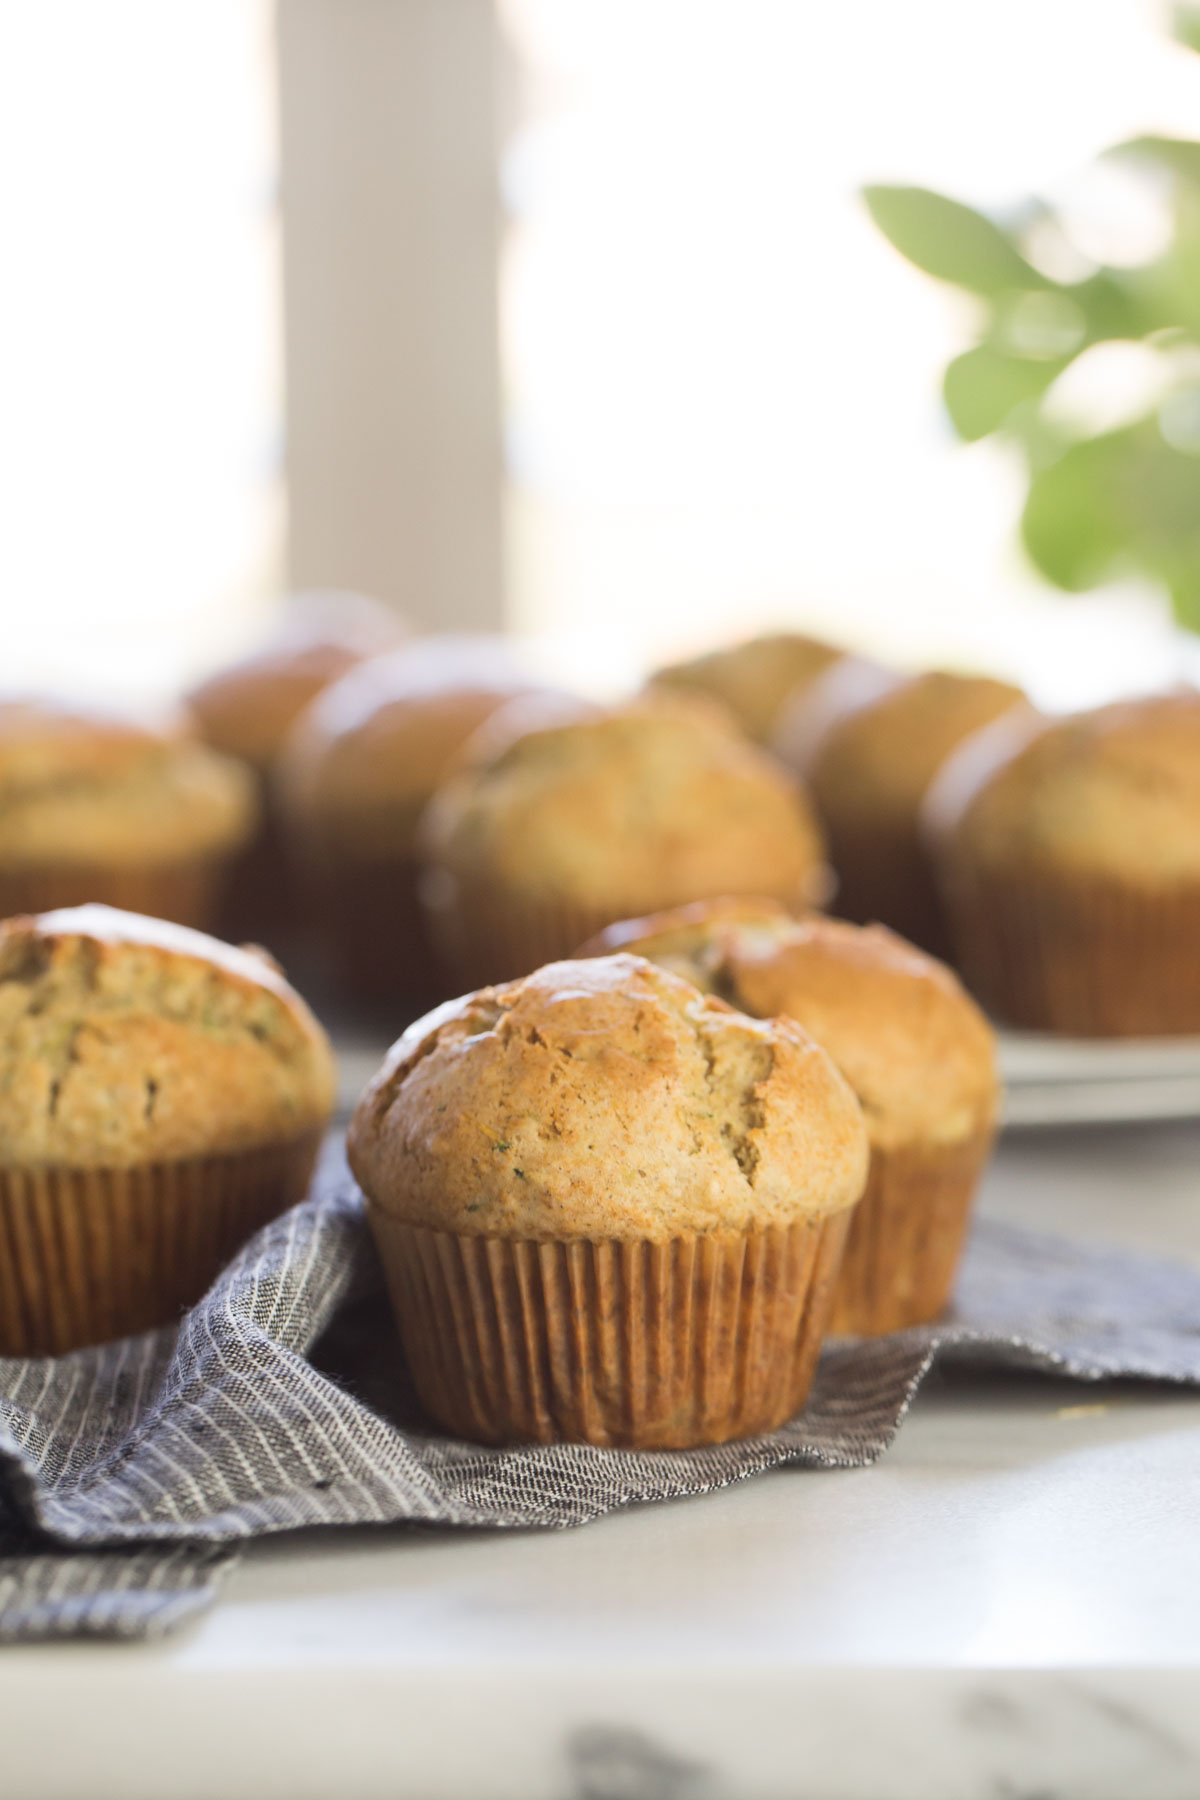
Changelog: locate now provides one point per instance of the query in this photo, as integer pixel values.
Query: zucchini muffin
(918, 1053)
(609, 1208)
(247, 709)
(354, 778)
(754, 679)
(162, 1095)
(1069, 851)
(552, 830)
(97, 806)
(869, 744)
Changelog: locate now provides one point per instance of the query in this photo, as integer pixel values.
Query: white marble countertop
(1007, 1607)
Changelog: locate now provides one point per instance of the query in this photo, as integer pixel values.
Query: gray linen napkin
(130, 1474)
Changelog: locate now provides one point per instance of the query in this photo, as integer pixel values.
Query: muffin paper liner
(644, 1345)
(92, 1254)
(884, 876)
(1079, 956)
(259, 899)
(369, 913)
(187, 893)
(482, 941)
(907, 1235)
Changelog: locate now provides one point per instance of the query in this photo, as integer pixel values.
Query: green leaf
(982, 387)
(1180, 155)
(1122, 304)
(1185, 26)
(950, 241)
(1124, 497)
(1071, 525)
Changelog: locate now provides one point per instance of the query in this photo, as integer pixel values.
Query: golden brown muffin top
(1114, 792)
(46, 741)
(873, 742)
(359, 766)
(127, 1040)
(247, 709)
(80, 785)
(605, 1100)
(812, 711)
(645, 803)
(917, 1051)
(753, 679)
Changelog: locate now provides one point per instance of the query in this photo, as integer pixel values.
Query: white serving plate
(1084, 1081)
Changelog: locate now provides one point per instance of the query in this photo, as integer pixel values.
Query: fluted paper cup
(368, 912)
(1083, 957)
(646, 1345)
(87, 1255)
(187, 893)
(884, 874)
(906, 1236)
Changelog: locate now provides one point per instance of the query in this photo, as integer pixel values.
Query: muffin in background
(869, 743)
(162, 1095)
(1069, 854)
(609, 1208)
(355, 776)
(247, 709)
(99, 806)
(754, 679)
(916, 1050)
(549, 831)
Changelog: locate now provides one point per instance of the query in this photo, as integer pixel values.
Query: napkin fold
(131, 1474)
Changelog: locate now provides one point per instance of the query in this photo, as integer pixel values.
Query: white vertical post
(391, 227)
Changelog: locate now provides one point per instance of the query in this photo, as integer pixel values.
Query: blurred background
(573, 316)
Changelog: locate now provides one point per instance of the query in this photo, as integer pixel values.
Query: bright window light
(139, 337)
(723, 383)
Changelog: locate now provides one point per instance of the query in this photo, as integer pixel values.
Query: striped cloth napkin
(130, 1475)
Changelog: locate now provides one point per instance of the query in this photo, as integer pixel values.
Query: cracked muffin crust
(608, 1207)
(913, 1045)
(162, 1096)
(125, 1040)
(605, 1099)
(915, 1048)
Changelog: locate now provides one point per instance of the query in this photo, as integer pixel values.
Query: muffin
(754, 679)
(547, 834)
(162, 1095)
(918, 1053)
(354, 778)
(247, 709)
(1069, 852)
(97, 806)
(869, 743)
(609, 1208)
